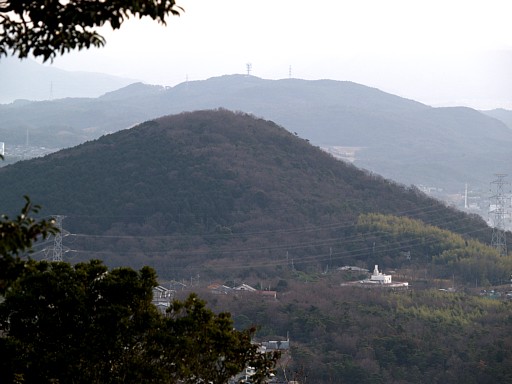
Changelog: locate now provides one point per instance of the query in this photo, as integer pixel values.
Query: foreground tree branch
(16, 238)
(48, 28)
(88, 324)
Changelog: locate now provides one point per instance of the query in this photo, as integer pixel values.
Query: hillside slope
(191, 190)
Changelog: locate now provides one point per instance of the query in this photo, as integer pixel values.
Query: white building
(379, 277)
(378, 280)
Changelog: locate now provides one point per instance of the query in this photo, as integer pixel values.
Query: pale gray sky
(441, 52)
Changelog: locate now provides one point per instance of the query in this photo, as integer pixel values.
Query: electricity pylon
(499, 240)
(57, 243)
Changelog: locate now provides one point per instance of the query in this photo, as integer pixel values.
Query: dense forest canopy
(357, 335)
(88, 324)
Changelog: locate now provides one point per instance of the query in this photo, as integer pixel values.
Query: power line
(316, 256)
(412, 214)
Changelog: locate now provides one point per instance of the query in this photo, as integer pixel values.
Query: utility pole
(499, 240)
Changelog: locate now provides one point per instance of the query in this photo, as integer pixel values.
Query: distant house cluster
(163, 297)
(22, 152)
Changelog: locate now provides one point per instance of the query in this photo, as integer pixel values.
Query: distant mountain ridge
(398, 138)
(501, 114)
(28, 80)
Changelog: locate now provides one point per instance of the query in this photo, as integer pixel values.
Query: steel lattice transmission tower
(57, 243)
(499, 240)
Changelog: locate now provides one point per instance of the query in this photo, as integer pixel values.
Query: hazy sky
(439, 52)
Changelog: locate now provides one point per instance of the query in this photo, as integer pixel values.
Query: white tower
(466, 197)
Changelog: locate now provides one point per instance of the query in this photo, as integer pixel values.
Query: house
(276, 345)
(353, 269)
(219, 289)
(245, 287)
(162, 294)
(379, 279)
(272, 295)
(162, 298)
(281, 345)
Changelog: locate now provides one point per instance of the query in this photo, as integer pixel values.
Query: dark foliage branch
(47, 28)
(17, 237)
(88, 324)
(235, 348)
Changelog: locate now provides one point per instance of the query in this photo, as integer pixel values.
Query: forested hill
(213, 189)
